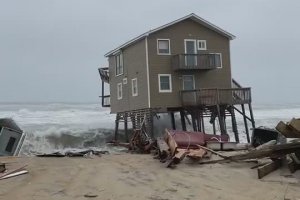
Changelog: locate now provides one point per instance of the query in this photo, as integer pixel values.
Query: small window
(10, 144)
(215, 60)
(119, 91)
(134, 87)
(201, 44)
(163, 47)
(165, 82)
(124, 81)
(119, 64)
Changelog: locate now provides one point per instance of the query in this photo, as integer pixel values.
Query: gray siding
(161, 64)
(134, 59)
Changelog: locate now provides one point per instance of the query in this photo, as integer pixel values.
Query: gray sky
(50, 49)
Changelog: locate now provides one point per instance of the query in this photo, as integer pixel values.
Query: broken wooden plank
(196, 154)
(287, 131)
(10, 171)
(163, 149)
(268, 168)
(14, 174)
(295, 124)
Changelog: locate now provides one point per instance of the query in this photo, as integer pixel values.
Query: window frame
(134, 85)
(159, 83)
(201, 48)
(119, 60)
(169, 42)
(221, 62)
(119, 88)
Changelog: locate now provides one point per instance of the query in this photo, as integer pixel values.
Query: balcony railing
(104, 74)
(231, 96)
(196, 61)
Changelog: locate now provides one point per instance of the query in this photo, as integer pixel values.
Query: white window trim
(220, 59)
(132, 86)
(193, 81)
(119, 97)
(198, 46)
(117, 62)
(158, 49)
(170, 78)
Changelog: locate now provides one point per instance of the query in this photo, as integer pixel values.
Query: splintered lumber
(10, 171)
(268, 168)
(163, 149)
(196, 154)
(14, 174)
(295, 124)
(274, 151)
(289, 131)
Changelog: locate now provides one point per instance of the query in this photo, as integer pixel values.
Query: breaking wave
(59, 126)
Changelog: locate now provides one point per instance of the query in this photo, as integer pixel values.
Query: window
(119, 64)
(163, 47)
(134, 87)
(201, 44)
(124, 81)
(165, 82)
(215, 60)
(10, 144)
(119, 91)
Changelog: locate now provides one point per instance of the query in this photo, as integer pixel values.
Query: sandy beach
(134, 176)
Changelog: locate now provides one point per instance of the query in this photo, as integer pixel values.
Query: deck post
(173, 120)
(245, 122)
(221, 121)
(214, 127)
(102, 92)
(126, 127)
(202, 121)
(194, 121)
(183, 125)
(234, 124)
(117, 127)
(251, 114)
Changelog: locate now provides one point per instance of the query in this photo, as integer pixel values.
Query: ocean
(63, 126)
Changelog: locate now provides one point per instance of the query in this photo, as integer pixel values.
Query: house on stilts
(181, 68)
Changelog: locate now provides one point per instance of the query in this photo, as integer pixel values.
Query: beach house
(182, 68)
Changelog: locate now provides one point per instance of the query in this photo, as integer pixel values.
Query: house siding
(161, 64)
(134, 61)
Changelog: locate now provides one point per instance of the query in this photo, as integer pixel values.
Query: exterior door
(190, 51)
(188, 82)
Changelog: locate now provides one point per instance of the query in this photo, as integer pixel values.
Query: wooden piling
(182, 117)
(245, 122)
(173, 120)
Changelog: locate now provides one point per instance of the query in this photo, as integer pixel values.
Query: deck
(214, 96)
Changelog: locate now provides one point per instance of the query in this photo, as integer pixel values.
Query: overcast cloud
(50, 49)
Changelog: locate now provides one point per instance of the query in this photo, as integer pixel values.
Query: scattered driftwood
(121, 144)
(268, 168)
(274, 151)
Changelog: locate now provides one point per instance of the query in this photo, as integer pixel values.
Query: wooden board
(14, 174)
(287, 131)
(163, 148)
(268, 168)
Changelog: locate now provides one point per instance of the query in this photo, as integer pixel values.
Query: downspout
(147, 68)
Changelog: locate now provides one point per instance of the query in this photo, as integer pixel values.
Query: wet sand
(136, 177)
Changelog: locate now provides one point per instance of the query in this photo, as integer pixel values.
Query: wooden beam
(182, 117)
(268, 168)
(246, 123)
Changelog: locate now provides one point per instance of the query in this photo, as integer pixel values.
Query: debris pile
(86, 153)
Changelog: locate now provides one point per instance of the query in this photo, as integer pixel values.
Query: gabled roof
(191, 16)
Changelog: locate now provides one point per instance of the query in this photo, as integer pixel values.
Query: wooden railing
(230, 96)
(105, 101)
(104, 74)
(196, 61)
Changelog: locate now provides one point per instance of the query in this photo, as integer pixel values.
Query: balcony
(230, 96)
(196, 61)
